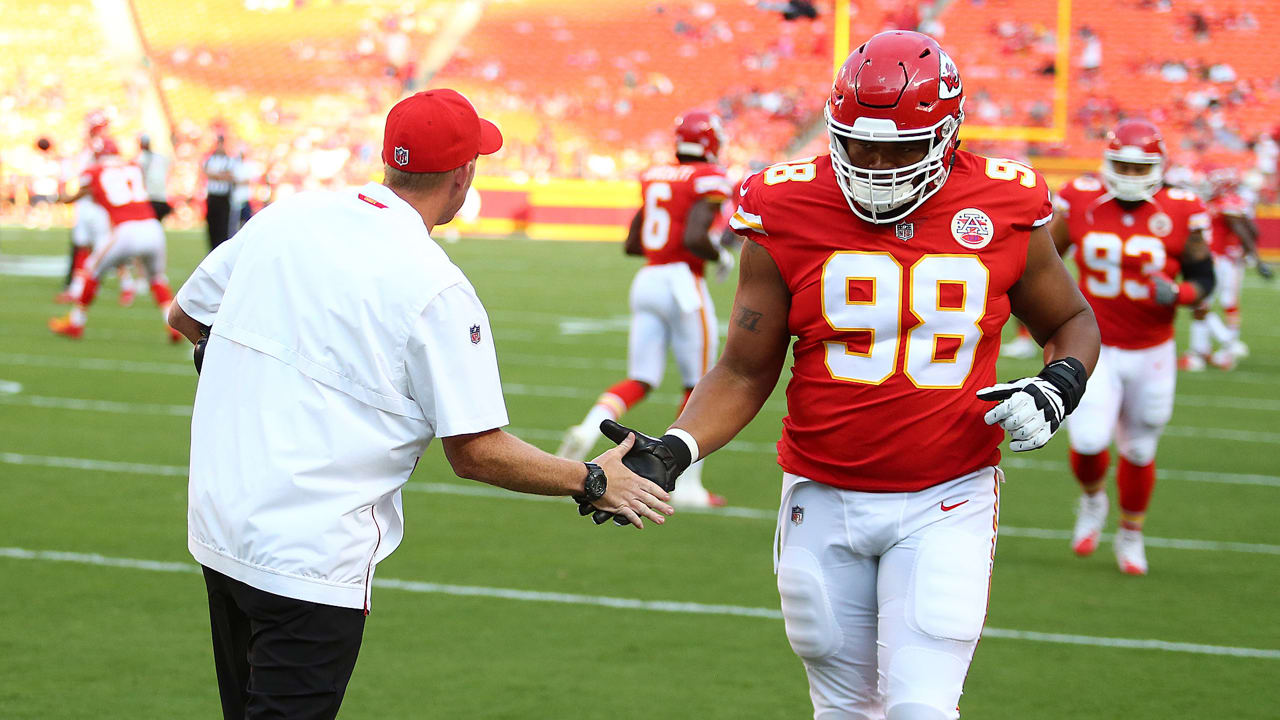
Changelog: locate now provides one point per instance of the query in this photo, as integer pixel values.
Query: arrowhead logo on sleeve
(475, 334)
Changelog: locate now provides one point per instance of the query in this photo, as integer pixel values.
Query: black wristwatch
(594, 486)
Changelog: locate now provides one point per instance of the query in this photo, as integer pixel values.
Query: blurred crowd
(597, 127)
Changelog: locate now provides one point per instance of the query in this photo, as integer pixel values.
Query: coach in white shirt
(340, 341)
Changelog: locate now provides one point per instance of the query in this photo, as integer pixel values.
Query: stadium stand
(588, 90)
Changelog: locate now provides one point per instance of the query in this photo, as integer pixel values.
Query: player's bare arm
(1060, 234)
(1047, 299)
(68, 199)
(633, 245)
(697, 229)
(733, 391)
(498, 458)
(1247, 231)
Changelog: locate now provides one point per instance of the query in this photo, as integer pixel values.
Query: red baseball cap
(435, 131)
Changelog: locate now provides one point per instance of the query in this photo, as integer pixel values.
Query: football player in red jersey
(118, 187)
(670, 305)
(1234, 241)
(1133, 234)
(894, 262)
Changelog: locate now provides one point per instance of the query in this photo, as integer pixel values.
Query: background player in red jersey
(117, 186)
(1132, 235)
(1234, 241)
(670, 305)
(894, 262)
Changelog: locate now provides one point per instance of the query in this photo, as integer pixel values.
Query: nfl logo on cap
(402, 156)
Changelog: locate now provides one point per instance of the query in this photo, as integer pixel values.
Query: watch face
(595, 484)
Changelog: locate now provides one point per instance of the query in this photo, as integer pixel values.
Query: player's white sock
(76, 287)
(77, 316)
(598, 414)
(1199, 341)
(1221, 333)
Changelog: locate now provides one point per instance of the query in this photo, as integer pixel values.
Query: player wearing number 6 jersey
(1132, 235)
(894, 261)
(670, 305)
(118, 187)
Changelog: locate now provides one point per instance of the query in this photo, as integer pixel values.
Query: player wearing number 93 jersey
(893, 262)
(1132, 235)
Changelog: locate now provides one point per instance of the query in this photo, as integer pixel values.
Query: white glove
(1031, 409)
(725, 264)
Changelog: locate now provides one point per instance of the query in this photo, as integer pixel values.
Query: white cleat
(1223, 359)
(1239, 349)
(1091, 516)
(690, 493)
(1131, 555)
(1191, 362)
(1020, 347)
(578, 441)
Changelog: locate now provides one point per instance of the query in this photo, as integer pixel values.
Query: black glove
(1265, 270)
(1032, 409)
(658, 460)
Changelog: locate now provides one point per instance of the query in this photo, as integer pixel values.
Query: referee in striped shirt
(220, 178)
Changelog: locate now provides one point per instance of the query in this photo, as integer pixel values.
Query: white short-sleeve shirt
(343, 340)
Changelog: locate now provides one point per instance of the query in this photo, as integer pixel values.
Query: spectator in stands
(220, 176)
(1091, 55)
(155, 173)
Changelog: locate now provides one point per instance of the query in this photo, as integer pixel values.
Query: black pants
(217, 214)
(278, 657)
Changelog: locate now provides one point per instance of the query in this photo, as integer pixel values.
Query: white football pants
(884, 595)
(1228, 276)
(670, 308)
(1129, 397)
(92, 225)
(142, 239)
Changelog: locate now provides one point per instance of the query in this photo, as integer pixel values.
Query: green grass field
(495, 605)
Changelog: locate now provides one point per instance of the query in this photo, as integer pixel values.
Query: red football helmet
(102, 146)
(1137, 142)
(899, 86)
(96, 122)
(698, 134)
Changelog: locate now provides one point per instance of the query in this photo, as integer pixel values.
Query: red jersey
(1225, 242)
(670, 192)
(118, 187)
(1119, 248)
(897, 326)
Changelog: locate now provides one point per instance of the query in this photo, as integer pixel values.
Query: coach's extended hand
(659, 460)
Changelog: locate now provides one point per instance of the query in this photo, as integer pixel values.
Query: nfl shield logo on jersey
(797, 514)
(972, 228)
(475, 334)
(904, 230)
(402, 156)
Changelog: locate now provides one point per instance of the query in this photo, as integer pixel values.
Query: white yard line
(620, 603)
(484, 491)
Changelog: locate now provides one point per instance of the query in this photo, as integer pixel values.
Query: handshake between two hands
(641, 471)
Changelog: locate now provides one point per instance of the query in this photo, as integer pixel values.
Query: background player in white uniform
(1132, 234)
(670, 305)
